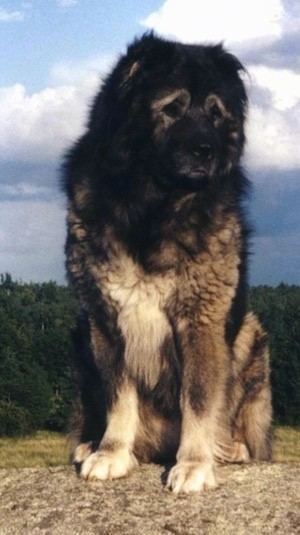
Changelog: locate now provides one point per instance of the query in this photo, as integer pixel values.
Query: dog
(169, 365)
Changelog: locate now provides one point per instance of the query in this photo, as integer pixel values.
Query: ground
(253, 499)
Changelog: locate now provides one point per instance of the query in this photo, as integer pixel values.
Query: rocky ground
(251, 499)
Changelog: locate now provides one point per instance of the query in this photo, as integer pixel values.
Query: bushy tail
(251, 407)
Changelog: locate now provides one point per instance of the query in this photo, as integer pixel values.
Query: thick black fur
(129, 187)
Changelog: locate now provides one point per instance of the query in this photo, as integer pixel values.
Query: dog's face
(196, 135)
(186, 106)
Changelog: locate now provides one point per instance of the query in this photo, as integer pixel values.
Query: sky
(54, 54)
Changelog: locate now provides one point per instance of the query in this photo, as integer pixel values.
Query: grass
(51, 449)
(40, 449)
(286, 445)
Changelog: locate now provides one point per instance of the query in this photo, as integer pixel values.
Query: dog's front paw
(240, 453)
(236, 452)
(108, 464)
(188, 476)
(82, 452)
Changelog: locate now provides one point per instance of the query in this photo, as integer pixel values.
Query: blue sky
(47, 33)
(54, 54)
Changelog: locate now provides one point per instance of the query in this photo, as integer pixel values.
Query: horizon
(66, 284)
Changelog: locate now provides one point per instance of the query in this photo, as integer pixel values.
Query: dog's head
(180, 106)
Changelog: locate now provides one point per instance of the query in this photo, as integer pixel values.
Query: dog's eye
(215, 113)
(174, 109)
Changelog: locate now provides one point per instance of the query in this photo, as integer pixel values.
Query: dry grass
(286, 444)
(41, 449)
(51, 449)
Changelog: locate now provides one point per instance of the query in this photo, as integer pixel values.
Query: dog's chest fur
(143, 299)
(140, 301)
(186, 275)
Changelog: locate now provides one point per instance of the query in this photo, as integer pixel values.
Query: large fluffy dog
(168, 361)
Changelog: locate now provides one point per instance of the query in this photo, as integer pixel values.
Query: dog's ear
(233, 70)
(141, 56)
(229, 63)
(131, 64)
(128, 76)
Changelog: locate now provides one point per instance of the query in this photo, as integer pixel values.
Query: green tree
(35, 346)
(279, 310)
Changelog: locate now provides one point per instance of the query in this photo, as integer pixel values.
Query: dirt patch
(254, 499)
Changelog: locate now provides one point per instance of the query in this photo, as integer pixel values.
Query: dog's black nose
(203, 152)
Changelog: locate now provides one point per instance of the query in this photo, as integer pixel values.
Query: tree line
(36, 321)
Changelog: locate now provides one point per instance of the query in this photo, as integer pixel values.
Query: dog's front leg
(115, 457)
(202, 395)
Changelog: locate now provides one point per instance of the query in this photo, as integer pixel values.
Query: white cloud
(78, 72)
(36, 128)
(273, 138)
(273, 128)
(283, 85)
(216, 20)
(11, 16)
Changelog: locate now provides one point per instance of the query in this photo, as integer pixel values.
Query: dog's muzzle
(192, 148)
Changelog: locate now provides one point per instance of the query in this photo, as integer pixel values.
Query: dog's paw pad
(190, 476)
(108, 464)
